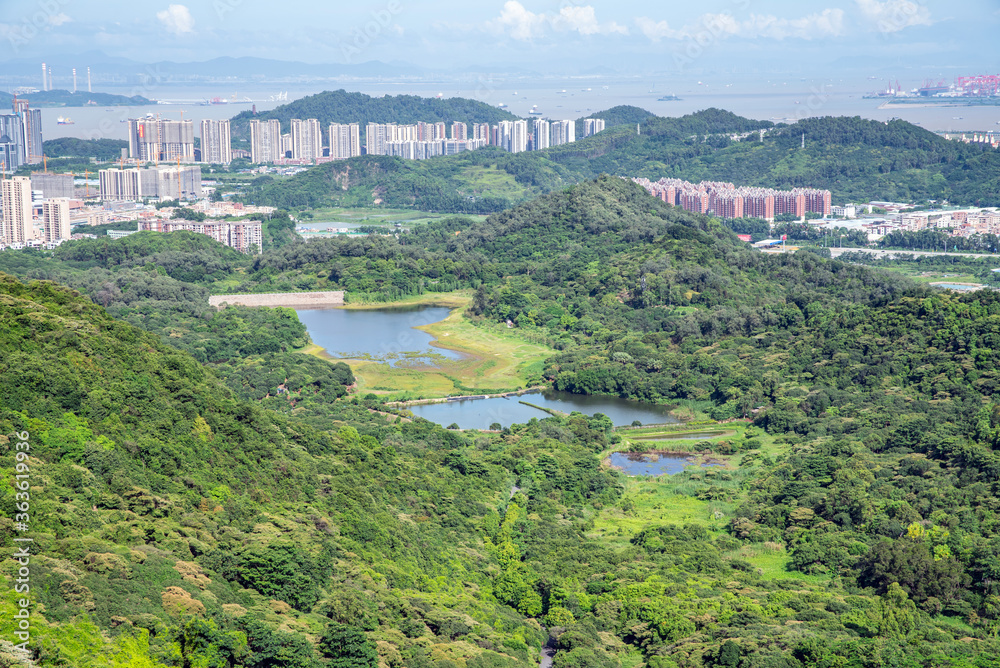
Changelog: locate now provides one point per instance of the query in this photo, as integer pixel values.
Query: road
(834, 252)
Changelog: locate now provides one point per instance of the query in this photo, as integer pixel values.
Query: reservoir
(481, 413)
(385, 335)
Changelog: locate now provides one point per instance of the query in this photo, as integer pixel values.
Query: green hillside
(66, 98)
(71, 147)
(857, 160)
(183, 520)
(482, 181)
(342, 107)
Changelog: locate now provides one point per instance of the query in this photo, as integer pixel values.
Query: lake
(386, 335)
(481, 413)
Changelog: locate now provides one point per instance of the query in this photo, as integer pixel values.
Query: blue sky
(536, 34)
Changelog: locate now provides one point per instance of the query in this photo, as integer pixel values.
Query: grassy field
(407, 217)
(933, 276)
(495, 360)
(675, 499)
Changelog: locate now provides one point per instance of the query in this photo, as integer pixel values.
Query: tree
(348, 647)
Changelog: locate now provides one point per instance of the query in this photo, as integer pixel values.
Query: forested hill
(858, 160)
(339, 106)
(621, 115)
(176, 524)
(179, 521)
(482, 181)
(607, 249)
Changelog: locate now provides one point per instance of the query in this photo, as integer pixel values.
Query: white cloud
(176, 19)
(894, 15)
(521, 24)
(583, 20)
(657, 30)
(713, 27)
(59, 19)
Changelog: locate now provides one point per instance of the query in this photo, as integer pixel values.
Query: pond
(649, 463)
(959, 287)
(386, 335)
(481, 413)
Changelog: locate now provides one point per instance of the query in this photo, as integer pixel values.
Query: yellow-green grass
(493, 359)
(499, 183)
(375, 216)
(771, 560)
(924, 276)
(457, 299)
(673, 500)
(655, 503)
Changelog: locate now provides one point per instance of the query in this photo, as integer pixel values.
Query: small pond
(959, 287)
(653, 464)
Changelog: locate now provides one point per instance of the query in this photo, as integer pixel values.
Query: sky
(541, 35)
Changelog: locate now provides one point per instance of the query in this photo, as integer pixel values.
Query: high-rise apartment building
(216, 142)
(119, 185)
(459, 130)
(818, 201)
(161, 182)
(481, 131)
(244, 236)
(729, 201)
(591, 126)
(562, 132)
(55, 218)
(345, 140)
(11, 143)
(790, 201)
(378, 135)
(541, 135)
(160, 140)
(307, 139)
(31, 131)
(513, 136)
(265, 141)
(16, 195)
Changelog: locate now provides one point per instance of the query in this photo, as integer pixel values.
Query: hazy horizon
(884, 38)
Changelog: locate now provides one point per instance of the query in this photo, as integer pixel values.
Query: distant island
(65, 98)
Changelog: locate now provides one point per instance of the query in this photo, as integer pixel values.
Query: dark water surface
(481, 413)
(380, 334)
